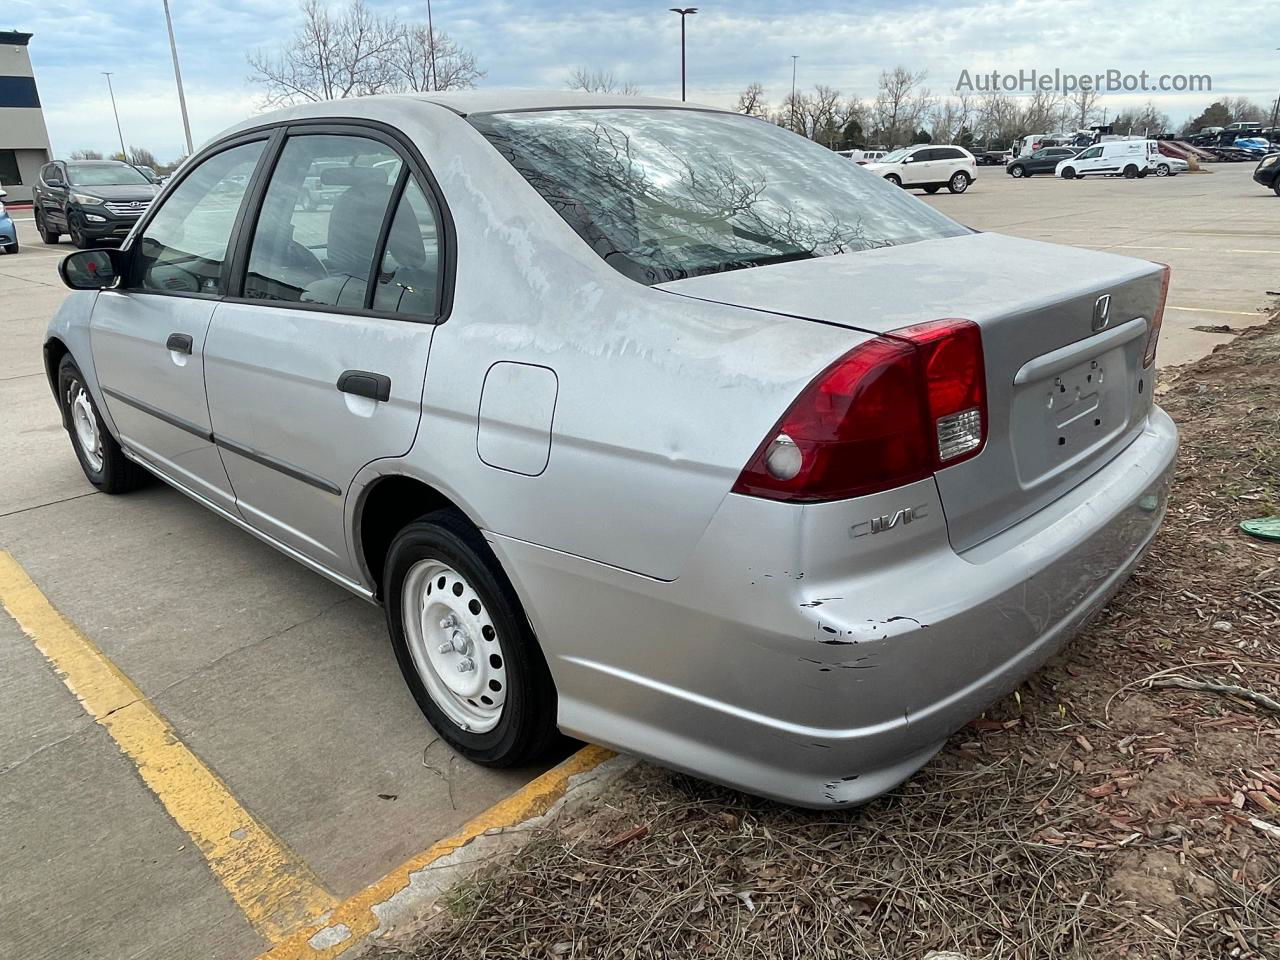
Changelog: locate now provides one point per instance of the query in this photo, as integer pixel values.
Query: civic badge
(1102, 312)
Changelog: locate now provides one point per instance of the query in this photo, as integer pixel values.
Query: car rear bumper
(800, 659)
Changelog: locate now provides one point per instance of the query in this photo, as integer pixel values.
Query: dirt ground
(1103, 811)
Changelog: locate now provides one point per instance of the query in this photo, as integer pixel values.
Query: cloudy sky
(536, 42)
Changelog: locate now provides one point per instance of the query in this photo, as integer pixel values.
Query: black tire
(1275, 185)
(1017, 171)
(46, 235)
(115, 473)
(76, 234)
(1131, 172)
(931, 189)
(1068, 173)
(894, 179)
(527, 727)
(959, 182)
(1162, 170)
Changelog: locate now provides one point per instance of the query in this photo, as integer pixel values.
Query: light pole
(794, 58)
(1275, 110)
(684, 12)
(177, 76)
(124, 154)
(431, 47)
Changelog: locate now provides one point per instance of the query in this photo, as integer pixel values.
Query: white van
(1114, 158)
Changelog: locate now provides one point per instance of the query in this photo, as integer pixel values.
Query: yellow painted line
(274, 888)
(357, 913)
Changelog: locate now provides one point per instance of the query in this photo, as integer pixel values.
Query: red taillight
(888, 412)
(1157, 318)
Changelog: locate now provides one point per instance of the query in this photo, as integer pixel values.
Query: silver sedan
(645, 422)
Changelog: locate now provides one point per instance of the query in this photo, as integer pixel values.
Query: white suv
(929, 167)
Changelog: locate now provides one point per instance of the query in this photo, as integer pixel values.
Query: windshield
(667, 194)
(895, 155)
(103, 174)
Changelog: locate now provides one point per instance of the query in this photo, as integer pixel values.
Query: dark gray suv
(92, 200)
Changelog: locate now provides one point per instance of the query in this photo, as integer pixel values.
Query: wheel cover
(454, 645)
(85, 423)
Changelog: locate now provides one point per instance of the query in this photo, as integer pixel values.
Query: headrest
(353, 177)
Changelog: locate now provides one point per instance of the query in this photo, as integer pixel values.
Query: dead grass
(1096, 814)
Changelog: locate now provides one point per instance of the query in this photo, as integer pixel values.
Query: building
(24, 140)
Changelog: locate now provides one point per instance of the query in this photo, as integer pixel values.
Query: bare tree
(86, 154)
(599, 81)
(333, 55)
(1082, 107)
(823, 112)
(751, 101)
(430, 60)
(900, 104)
(1242, 108)
(142, 157)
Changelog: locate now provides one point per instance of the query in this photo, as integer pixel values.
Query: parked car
(89, 199)
(928, 167)
(1166, 166)
(1116, 158)
(8, 229)
(1267, 172)
(148, 172)
(706, 481)
(1044, 160)
(992, 158)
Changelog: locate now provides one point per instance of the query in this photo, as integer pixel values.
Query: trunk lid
(1066, 392)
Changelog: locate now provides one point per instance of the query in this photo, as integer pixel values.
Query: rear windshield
(667, 194)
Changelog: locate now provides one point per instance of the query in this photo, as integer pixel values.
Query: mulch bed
(1124, 803)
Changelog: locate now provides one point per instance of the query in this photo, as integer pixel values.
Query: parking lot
(272, 699)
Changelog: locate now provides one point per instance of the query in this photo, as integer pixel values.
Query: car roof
(505, 100)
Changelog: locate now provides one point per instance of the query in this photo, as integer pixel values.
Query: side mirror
(3, 193)
(908, 159)
(91, 269)
(55, 182)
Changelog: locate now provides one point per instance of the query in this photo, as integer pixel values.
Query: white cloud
(537, 42)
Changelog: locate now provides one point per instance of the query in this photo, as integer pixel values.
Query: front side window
(666, 194)
(183, 248)
(1090, 154)
(107, 173)
(321, 220)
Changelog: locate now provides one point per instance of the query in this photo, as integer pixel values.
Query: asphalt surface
(1219, 231)
(283, 685)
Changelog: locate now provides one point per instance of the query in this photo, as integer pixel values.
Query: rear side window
(321, 220)
(666, 194)
(183, 247)
(409, 275)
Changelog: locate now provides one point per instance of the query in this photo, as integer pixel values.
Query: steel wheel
(455, 648)
(85, 423)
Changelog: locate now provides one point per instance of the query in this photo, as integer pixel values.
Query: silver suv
(645, 421)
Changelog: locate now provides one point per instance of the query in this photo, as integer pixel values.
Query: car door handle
(362, 383)
(180, 342)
